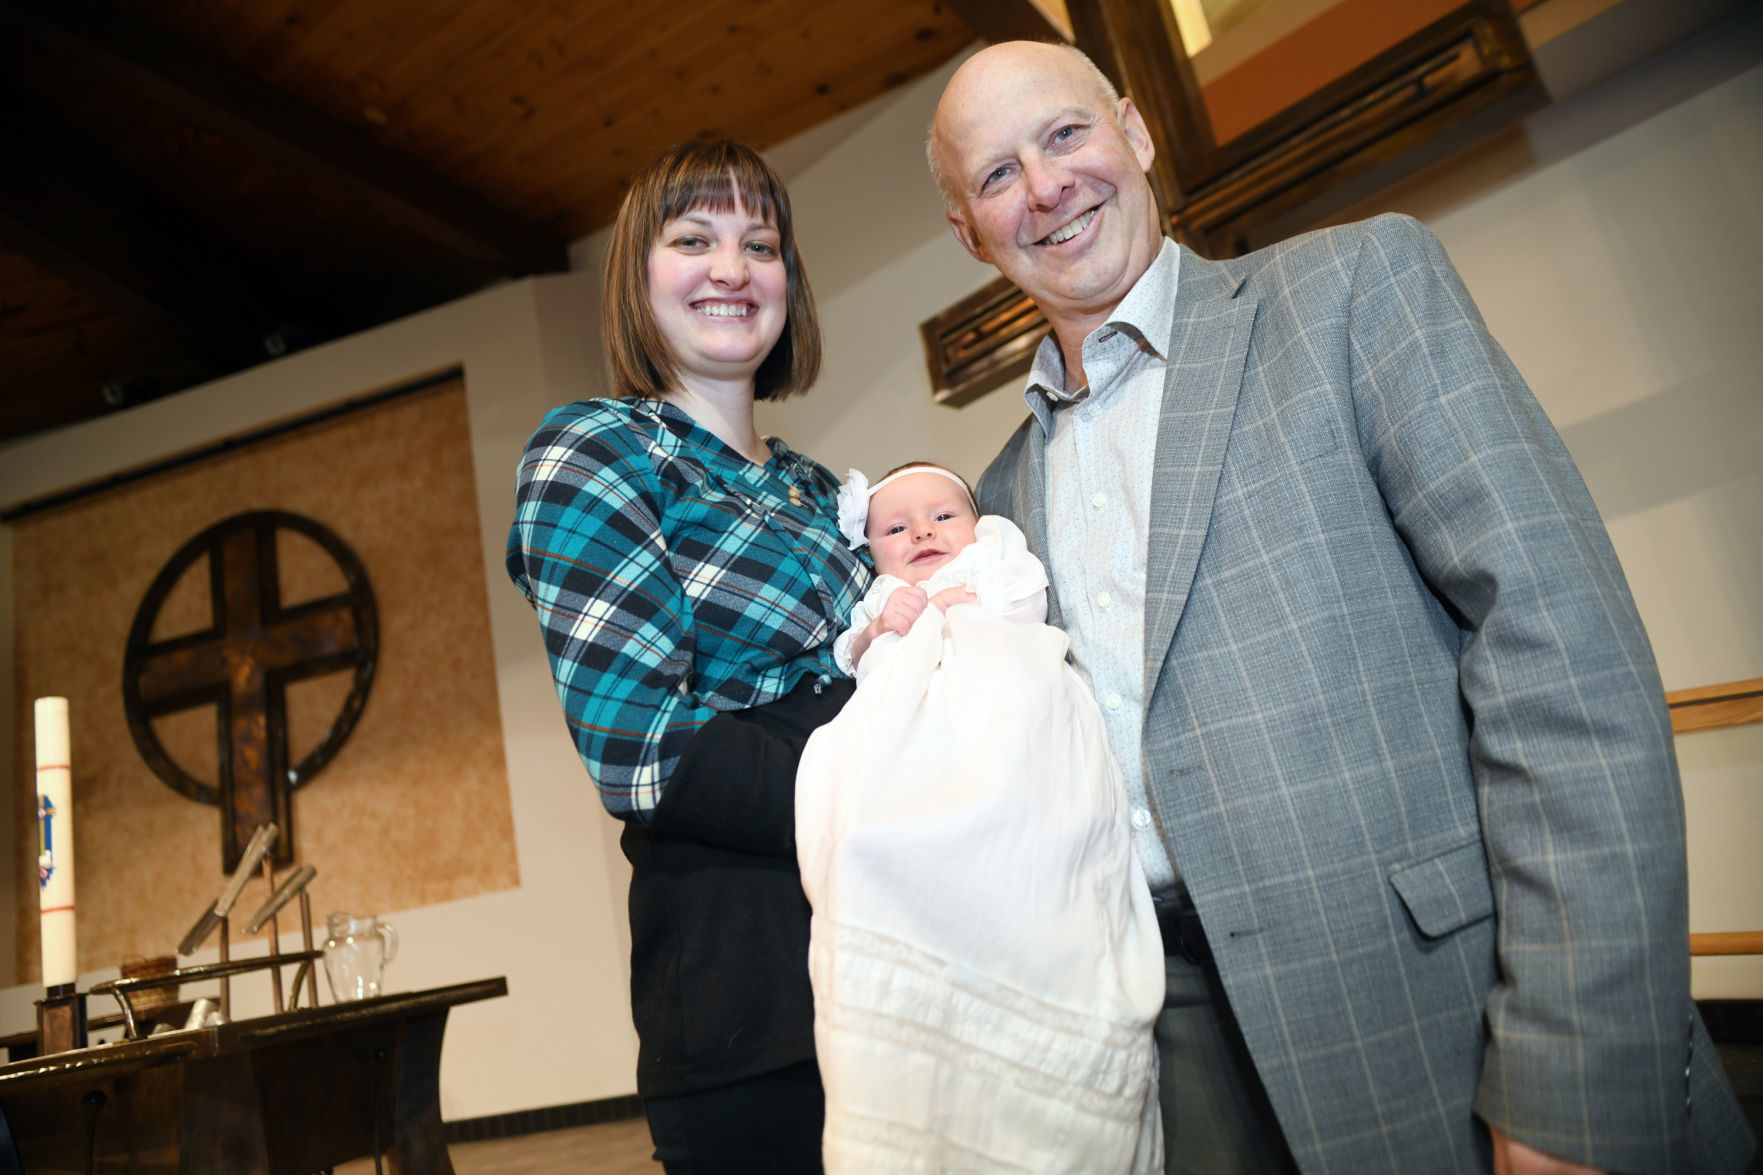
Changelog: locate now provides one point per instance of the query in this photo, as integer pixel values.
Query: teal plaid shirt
(673, 579)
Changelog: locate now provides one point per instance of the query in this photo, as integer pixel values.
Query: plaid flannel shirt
(673, 579)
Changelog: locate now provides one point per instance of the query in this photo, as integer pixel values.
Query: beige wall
(564, 1033)
(412, 810)
(1613, 247)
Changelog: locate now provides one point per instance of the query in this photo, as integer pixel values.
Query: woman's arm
(587, 549)
(735, 782)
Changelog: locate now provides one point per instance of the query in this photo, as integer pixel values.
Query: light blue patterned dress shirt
(1100, 454)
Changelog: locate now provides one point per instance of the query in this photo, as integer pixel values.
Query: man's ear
(1133, 123)
(965, 234)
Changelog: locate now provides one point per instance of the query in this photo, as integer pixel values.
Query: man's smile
(1070, 229)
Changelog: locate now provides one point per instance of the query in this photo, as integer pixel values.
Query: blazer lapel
(1208, 344)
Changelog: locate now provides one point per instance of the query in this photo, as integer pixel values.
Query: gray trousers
(1216, 1117)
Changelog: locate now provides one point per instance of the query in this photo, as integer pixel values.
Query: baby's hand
(901, 611)
(950, 596)
(904, 607)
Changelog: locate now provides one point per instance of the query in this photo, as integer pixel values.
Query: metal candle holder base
(123, 989)
(61, 1020)
(61, 1016)
(293, 886)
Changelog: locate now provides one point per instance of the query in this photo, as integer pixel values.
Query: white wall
(1615, 245)
(564, 1032)
(872, 232)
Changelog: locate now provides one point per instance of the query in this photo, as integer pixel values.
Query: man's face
(917, 523)
(1049, 181)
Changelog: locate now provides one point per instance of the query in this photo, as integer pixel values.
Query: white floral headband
(854, 498)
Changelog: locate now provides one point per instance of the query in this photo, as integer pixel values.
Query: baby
(930, 547)
(985, 958)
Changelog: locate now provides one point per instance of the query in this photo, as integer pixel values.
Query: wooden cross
(242, 664)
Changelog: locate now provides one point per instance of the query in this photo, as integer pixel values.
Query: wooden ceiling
(188, 187)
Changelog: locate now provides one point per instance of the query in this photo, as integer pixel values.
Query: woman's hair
(712, 176)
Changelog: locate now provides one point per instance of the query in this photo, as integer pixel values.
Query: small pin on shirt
(796, 496)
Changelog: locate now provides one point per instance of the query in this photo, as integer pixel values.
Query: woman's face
(718, 289)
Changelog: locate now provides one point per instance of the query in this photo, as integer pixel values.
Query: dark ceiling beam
(1007, 20)
(70, 208)
(267, 122)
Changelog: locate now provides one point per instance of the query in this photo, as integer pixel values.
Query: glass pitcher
(356, 954)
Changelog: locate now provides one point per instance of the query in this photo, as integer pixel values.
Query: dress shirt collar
(1144, 316)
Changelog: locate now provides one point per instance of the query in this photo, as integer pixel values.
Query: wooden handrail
(1733, 704)
(1707, 707)
(1740, 942)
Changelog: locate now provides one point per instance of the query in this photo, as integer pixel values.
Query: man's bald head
(1043, 172)
(969, 85)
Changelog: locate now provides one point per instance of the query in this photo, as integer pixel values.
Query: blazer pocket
(1446, 891)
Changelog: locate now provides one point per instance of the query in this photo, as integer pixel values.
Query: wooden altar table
(289, 1094)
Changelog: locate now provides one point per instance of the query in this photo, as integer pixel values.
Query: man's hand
(950, 596)
(1512, 1157)
(904, 607)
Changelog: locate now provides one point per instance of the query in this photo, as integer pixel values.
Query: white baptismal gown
(984, 954)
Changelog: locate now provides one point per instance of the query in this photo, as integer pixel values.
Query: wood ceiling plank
(541, 109)
(714, 98)
(69, 208)
(1007, 20)
(548, 108)
(59, 347)
(239, 106)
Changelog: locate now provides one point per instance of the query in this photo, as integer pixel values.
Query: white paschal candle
(55, 843)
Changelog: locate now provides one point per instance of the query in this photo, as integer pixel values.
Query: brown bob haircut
(688, 176)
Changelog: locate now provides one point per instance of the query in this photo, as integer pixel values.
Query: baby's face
(917, 523)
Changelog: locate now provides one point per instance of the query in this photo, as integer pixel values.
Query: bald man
(1399, 762)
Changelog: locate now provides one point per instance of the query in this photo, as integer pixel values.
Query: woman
(689, 577)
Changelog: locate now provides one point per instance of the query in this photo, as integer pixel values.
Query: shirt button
(1099, 501)
(1114, 701)
(1141, 818)
(1104, 600)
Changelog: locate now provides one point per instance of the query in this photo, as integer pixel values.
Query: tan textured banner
(414, 809)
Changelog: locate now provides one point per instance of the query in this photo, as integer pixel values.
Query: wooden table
(289, 1094)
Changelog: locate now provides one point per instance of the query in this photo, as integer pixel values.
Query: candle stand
(123, 989)
(61, 1019)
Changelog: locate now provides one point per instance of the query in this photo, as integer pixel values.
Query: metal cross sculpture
(242, 663)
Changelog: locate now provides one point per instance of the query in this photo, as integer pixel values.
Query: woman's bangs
(717, 180)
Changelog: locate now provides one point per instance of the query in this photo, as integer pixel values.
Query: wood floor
(611, 1148)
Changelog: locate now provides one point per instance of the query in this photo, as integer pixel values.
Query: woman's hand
(950, 596)
(903, 608)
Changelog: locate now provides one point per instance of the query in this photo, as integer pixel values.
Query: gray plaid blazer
(1405, 739)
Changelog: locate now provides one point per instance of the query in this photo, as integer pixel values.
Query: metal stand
(61, 1017)
(124, 989)
(275, 938)
(226, 987)
(306, 942)
(61, 1020)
